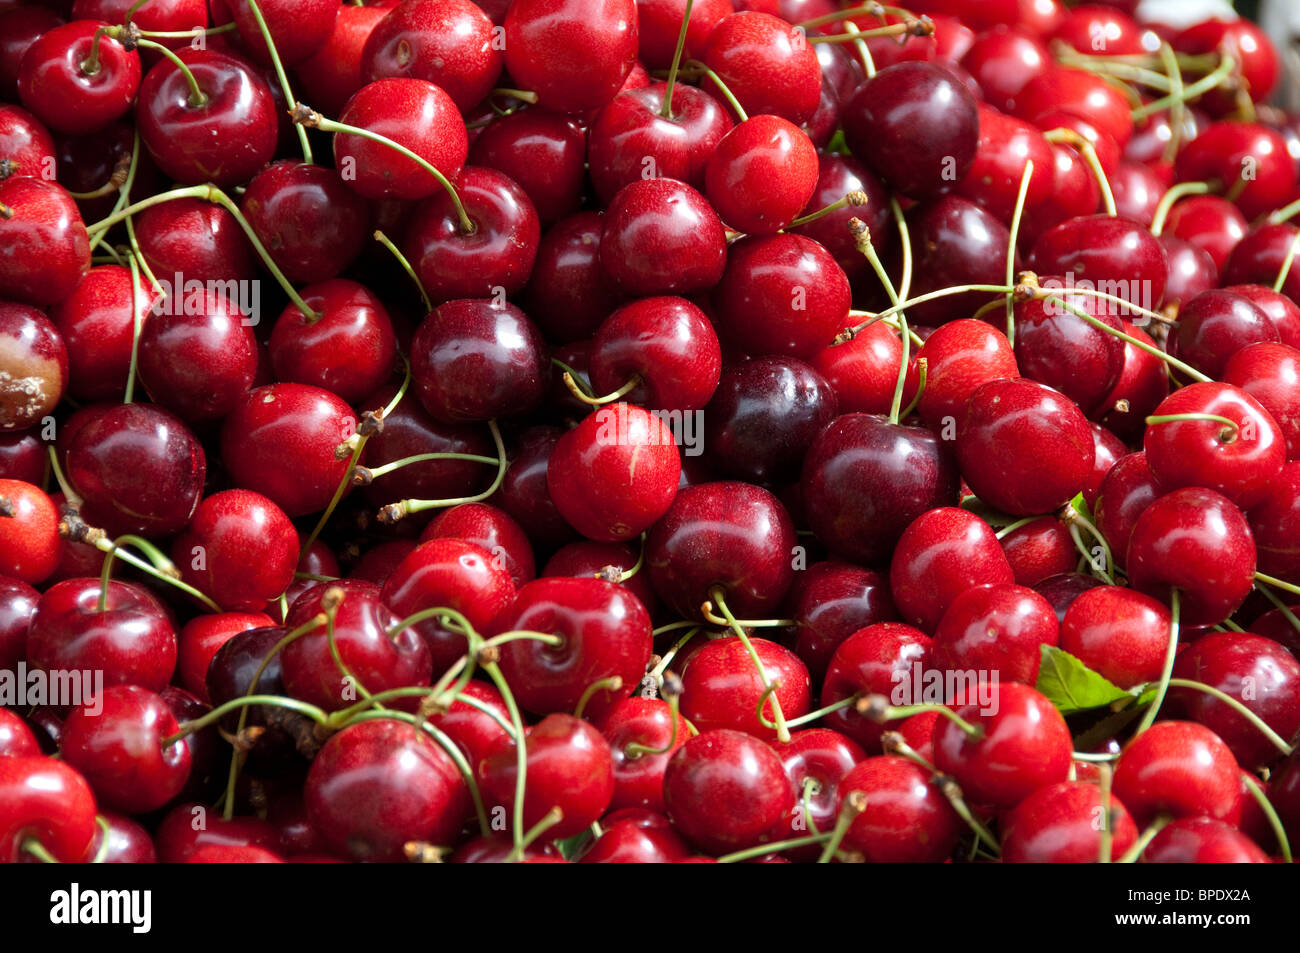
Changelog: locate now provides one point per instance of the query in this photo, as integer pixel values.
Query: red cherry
(493, 530)
(46, 248)
(837, 176)
(1250, 160)
(721, 686)
(993, 177)
(761, 175)
(1209, 222)
(196, 240)
(213, 551)
(1273, 524)
(669, 343)
(1095, 249)
(638, 774)
(1058, 824)
(544, 153)
(998, 630)
(26, 147)
(298, 27)
(1248, 45)
(907, 819)
(1056, 347)
(954, 241)
(1215, 325)
(1178, 768)
(48, 801)
(178, 837)
(1143, 384)
(332, 74)
(65, 89)
(767, 64)
(660, 22)
(16, 739)
(569, 294)
(29, 533)
(1039, 550)
(880, 659)
(1118, 633)
(1270, 373)
(1202, 840)
(1082, 93)
(201, 639)
(863, 372)
(575, 54)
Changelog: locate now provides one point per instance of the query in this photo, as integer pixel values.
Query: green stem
(197, 98)
(1141, 345)
(821, 712)
(1258, 723)
(853, 806)
(281, 76)
(396, 511)
(1019, 212)
(1202, 85)
(1171, 652)
(718, 598)
(1172, 195)
(1133, 853)
(1285, 270)
(1279, 831)
(402, 260)
(666, 110)
(739, 110)
(762, 850)
(277, 701)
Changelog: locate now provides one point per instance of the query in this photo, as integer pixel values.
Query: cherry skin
(1280, 309)
(781, 294)
(816, 761)
(1058, 824)
(998, 629)
(48, 801)
(349, 350)
(730, 535)
(1225, 149)
(178, 838)
(627, 842)
(575, 54)
(1081, 93)
(837, 176)
(1229, 661)
(766, 64)
(960, 356)
(865, 479)
(476, 732)
(1270, 373)
(132, 640)
(1240, 461)
(1209, 222)
(59, 85)
(829, 602)
(639, 775)
(413, 113)
(45, 249)
(98, 326)
(194, 239)
(916, 126)
(1214, 325)
(1178, 768)
(630, 132)
(298, 29)
(378, 784)
(332, 74)
(761, 175)
(863, 372)
(20, 26)
(721, 687)
(954, 241)
(1273, 525)
(22, 456)
(524, 493)
(1119, 633)
(907, 819)
(1056, 347)
(586, 559)
(1023, 447)
(1202, 840)
(202, 637)
(662, 237)
(115, 741)
(879, 659)
(280, 441)
(500, 252)
(1003, 61)
(1128, 489)
(544, 153)
(16, 739)
(138, 469)
(1039, 550)
(726, 790)
(223, 140)
(605, 632)
(492, 529)
(615, 474)
(1006, 145)
(212, 553)
(26, 147)
(669, 343)
(660, 22)
(569, 294)
(448, 44)
(764, 416)
(1191, 271)
(453, 574)
(568, 767)
(30, 547)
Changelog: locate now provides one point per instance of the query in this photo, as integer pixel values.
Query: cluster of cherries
(774, 430)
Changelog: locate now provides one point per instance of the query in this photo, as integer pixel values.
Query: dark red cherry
(451, 44)
(996, 630)
(660, 22)
(98, 326)
(544, 153)
(1097, 252)
(46, 801)
(761, 175)
(662, 237)
(1273, 524)
(1058, 824)
(196, 240)
(722, 687)
(280, 441)
(586, 559)
(863, 371)
(886, 658)
(837, 176)
(332, 74)
(569, 294)
(1197, 541)
(1191, 271)
(626, 842)
(212, 553)
(638, 773)
(1178, 768)
(1202, 840)
(1215, 325)
(190, 827)
(1039, 550)
(524, 493)
(767, 64)
(74, 84)
(907, 819)
(954, 241)
(20, 26)
(1143, 384)
(1250, 161)
(1248, 45)
(46, 251)
(575, 54)
(1056, 347)
(1125, 492)
(1119, 633)
(666, 341)
(830, 601)
(201, 638)
(1003, 60)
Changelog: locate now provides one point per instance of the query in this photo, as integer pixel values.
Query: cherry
(212, 553)
(992, 179)
(1194, 540)
(1215, 325)
(667, 342)
(568, 767)
(1143, 384)
(156, 15)
(524, 493)
(604, 632)
(879, 659)
(22, 456)
(722, 688)
(413, 113)
(1260, 673)
(1270, 373)
(960, 356)
(1249, 160)
(997, 630)
(1272, 523)
(767, 64)
(132, 639)
(493, 530)
(20, 26)
(280, 441)
(1125, 493)
(638, 773)
(224, 135)
(98, 327)
(574, 55)
(1093, 250)
(190, 827)
(1003, 60)
(1239, 460)
(863, 372)
(1209, 222)
(761, 175)
(1178, 768)
(616, 473)
(1056, 347)
(496, 258)
(1202, 840)
(495, 849)
(475, 732)
(837, 176)
(26, 147)
(906, 820)
(298, 29)
(544, 153)
(29, 533)
(1058, 824)
(569, 294)
(816, 761)
(47, 801)
(77, 80)
(765, 415)
(332, 74)
(194, 238)
(1249, 46)
(733, 536)
(829, 602)
(954, 241)
(46, 248)
(627, 842)
(448, 44)
(1191, 271)
(378, 784)
(726, 790)
(1079, 92)
(1118, 633)
(16, 739)
(662, 237)
(202, 637)
(588, 559)
(1039, 550)
(453, 574)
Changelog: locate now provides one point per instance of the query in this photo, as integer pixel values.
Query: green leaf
(1071, 686)
(1081, 507)
(572, 846)
(838, 144)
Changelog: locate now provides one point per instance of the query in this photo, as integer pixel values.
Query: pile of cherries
(646, 431)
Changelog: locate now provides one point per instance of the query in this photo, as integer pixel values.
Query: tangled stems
(1074, 519)
(396, 511)
(1149, 717)
(717, 598)
(1203, 85)
(921, 299)
(878, 709)
(854, 805)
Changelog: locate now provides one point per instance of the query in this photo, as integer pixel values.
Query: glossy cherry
(906, 820)
(46, 251)
(47, 801)
(761, 175)
(721, 686)
(75, 85)
(666, 341)
(574, 54)
(1118, 633)
(767, 64)
(1058, 824)
(638, 773)
(998, 630)
(1178, 768)
(449, 44)
(544, 153)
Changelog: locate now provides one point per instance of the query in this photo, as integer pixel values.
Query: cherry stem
(634, 749)
(619, 576)
(1203, 85)
(552, 817)
(855, 199)
(854, 804)
(31, 845)
(666, 110)
(952, 792)
(134, 9)
(892, 742)
(658, 672)
(243, 701)
(114, 183)
(811, 787)
(90, 65)
(1012, 527)
(1285, 213)
(197, 98)
(1133, 853)
(1149, 717)
(104, 834)
(1274, 738)
(521, 749)
(862, 239)
(1178, 111)
(739, 110)
(1089, 153)
(1074, 519)
(396, 511)
(1104, 775)
(72, 498)
(864, 52)
(718, 597)
(632, 384)
(281, 76)
(402, 260)
(1275, 822)
(878, 709)
(330, 614)
(189, 34)
(706, 610)
(79, 532)
(611, 684)
(1173, 194)
(1141, 345)
(922, 375)
(137, 322)
(1285, 270)
(921, 26)
(775, 847)
(1016, 215)
(1105, 65)
(577, 377)
(822, 712)
(928, 296)
(1281, 607)
(1227, 435)
(307, 117)
(866, 9)
(1278, 583)
(363, 476)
